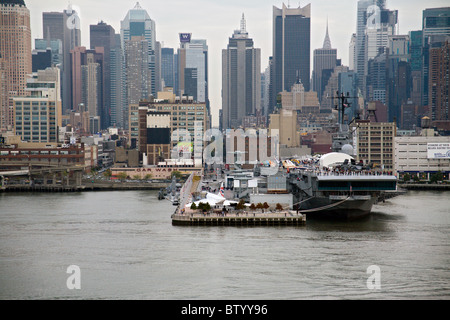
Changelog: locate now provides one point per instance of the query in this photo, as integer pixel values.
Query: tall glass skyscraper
(167, 67)
(291, 48)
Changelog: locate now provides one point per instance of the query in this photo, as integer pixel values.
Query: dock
(239, 219)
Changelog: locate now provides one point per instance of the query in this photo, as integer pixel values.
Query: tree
(107, 173)
(259, 206)
(266, 205)
(193, 206)
(435, 177)
(148, 176)
(279, 207)
(176, 174)
(122, 176)
(136, 177)
(240, 205)
(406, 177)
(252, 206)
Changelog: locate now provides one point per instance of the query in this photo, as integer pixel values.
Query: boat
(331, 188)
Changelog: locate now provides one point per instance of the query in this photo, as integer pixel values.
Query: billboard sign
(185, 37)
(438, 150)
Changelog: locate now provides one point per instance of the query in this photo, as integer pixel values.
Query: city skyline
(169, 23)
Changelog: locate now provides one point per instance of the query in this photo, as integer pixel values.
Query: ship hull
(341, 210)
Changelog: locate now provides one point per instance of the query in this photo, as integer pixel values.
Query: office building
(360, 61)
(137, 23)
(398, 76)
(416, 62)
(87, 79)
(324, 63)
(37, 115)
(119, 109)
(15, 52)
(352, 52)
(438, 83)
(375, 143)
(137, 73)
(193, 68)
(291, 48)
(167, 67)
(435, 27)
(348, 85)
(103, 35)
(64, 26)
(241, 78)
(422, 155)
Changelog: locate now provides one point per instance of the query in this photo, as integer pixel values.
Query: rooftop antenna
(243, 25)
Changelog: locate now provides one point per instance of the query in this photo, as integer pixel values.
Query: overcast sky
(215, 21)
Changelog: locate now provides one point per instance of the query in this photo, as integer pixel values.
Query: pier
(239, 219)
(221, 216)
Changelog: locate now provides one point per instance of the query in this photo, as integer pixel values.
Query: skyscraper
(435, 26)
(167, 67)
(352, 52)
(15, 51)
(118, 89)
(241, 78)
(291, 48)
(87, 79)
(193, 68)
(103, 35)
(324, 59)
(398, 76)
(137, 73)
(438, 85)
(64, 26)
(360, 62)
(137, 23)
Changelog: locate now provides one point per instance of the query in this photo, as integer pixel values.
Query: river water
(126, 248)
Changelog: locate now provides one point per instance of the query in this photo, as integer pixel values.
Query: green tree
(193, 206)
(435, 177)
(136, 177)
(122, 176)
(406, 177)
(176, 174)
(148, 176)
(107, 173)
